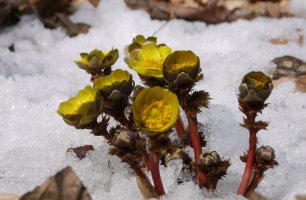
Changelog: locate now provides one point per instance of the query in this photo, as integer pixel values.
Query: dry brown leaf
(81, 151)
(95, 3)
(5, 196)
(300, 83)
(64, 185)
(300, 197)
(253, 195)
(47, 8)
(210, 11)
(282, 80)
(279, 41)
(146, 188)
(235, 4)
(9, 12)
(289, 68)
(52, 13)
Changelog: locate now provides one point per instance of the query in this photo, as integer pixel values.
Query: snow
(41, 74)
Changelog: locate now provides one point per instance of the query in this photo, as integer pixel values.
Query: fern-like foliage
(197, 100)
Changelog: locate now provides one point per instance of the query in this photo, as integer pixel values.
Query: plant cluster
(145, 115)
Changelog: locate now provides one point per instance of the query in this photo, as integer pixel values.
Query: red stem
(244, 184)
(154, 166)
(195, 139)
(255, 181)
(147, 160)
(179, 126)
(196, 144)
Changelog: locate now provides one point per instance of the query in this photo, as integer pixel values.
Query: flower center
(180, 65)
(156, 115)
(258, 84)
(154, 63)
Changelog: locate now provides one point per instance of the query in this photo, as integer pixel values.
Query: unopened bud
(265, 154)
(255, 88)
(210, 159)
(125, 139)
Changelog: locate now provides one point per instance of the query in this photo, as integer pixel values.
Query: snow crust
(41, 74)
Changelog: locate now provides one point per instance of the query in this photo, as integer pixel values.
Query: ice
(40, 74)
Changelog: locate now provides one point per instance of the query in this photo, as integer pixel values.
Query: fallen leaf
(9, 14)
(211, 11)
(64, 185)
(48, 8)
(5, 196)
(289, 68)
(94, 2)
(301, 83)
(146, 188)
(282, 80)
(253, 195)
(279, 41)
(81, 151)
(52, 13)
(300, 197)
(137, 4)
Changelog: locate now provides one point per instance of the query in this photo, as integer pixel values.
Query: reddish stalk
(244, 184)
(179, 126)
(255, 181)
(147, 160)
(196, 144)
(154, 166)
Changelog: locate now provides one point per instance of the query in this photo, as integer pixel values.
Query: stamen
(156, 115)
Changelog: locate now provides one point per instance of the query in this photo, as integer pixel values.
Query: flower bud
(210, 159)
(125, 139)
(148, 61)
(82, 109)
(255, 88)
(181, 68)
(265, 154)
(97, 60)
(138, 42)
(116, 86)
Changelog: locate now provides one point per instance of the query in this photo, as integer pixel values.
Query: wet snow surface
(41, 73)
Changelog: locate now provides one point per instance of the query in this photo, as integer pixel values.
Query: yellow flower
(139, 41)
(181, 68)
(256, 87)
(97, 60)
(82, 109)
(117, 85)
(155, 110)
(149, 60)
